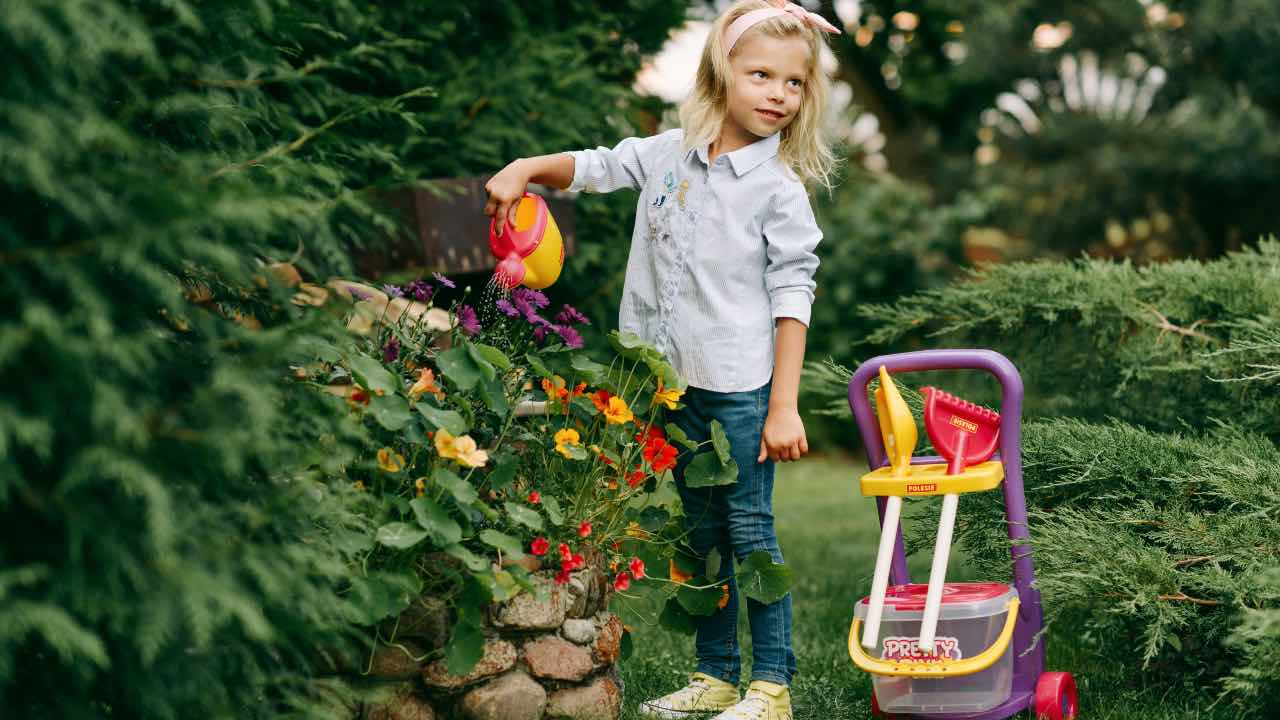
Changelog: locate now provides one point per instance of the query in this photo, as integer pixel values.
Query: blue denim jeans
(738, 520)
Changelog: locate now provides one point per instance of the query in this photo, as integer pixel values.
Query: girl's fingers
(804, 446)
(764, 452)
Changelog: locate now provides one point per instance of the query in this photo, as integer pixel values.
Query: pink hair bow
(780, 7)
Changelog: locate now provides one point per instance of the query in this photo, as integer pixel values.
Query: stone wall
(554, 657)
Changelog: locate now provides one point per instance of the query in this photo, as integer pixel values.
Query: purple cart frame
(1028, 647)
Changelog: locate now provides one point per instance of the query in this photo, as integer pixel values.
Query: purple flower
(444, 281)
(420, 290)
(532, 297)
(392, 291)
(467, 320)
(507, 308)
(524, 308)
(391, 350)
(569, 315)
(569, 336)
(540, 333)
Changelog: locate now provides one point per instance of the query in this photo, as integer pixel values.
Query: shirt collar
(746, 158)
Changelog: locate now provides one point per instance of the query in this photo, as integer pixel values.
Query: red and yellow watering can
(530, 251)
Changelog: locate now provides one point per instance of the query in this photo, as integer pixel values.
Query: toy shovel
(964, 434)
(898, 429)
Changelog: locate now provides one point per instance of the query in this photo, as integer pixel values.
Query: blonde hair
(804, 148)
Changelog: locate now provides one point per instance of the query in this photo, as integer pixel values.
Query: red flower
(539, 546)
(600, 399)
(535, 497)
(650, 433)
(622, 582)
(635, 477)
(565, 554)
(578, 561)
(584, 530)
(637, 567)
(606, 459)
(562, 577)
(660, 454)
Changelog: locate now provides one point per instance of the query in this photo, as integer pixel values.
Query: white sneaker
(702, 696)
(764, 701)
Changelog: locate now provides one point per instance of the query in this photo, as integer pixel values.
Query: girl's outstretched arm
(784, 436)
(507, 187)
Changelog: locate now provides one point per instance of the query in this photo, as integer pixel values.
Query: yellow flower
(617, 412)
(634, 530)
(463, 449)
(667, 397)
(390, 461)
(358, 485)
(426, 384)
(565, 438)
(420, 487)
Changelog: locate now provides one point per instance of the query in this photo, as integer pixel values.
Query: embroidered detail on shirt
(669, 181)
(684, 188)
(659, 201)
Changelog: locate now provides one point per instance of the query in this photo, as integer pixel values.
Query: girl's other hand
(783, 438)
(505, 190)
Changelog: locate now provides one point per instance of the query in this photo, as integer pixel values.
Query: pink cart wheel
(1056, 697)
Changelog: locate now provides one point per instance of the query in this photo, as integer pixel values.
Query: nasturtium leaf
(760, 578)
(592, 370)
(653, 518)
(538, 366)
(473, 562)
(459, 368)
(503, 542)
(675, 434)
(460, 489)
(486, 369)
(675, 617)
(576, 452)
(373, 375)
(439, 418)
(503, 472)
(379, 595)
(391, 411)
(706, 470)
(501, 585)
(443, 529)
(721, 442)
(699, 601)
(523, 515)
(400, 536)
(553, 510)
(466, 646)
(492, 355)
(494, 395)
(713, 562)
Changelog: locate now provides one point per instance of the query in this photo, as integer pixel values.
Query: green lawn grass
(829, 534)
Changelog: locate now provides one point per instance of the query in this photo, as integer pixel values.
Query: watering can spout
(530, 250)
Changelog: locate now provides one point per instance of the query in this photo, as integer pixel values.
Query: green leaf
(485, 367)
(706, 470)
(503, 472)
(449, 420)
(459, 368)
(674, 433)
(653, 518)
(501, 585)
(674, 617)
(553, 510)
(538, 366)
(503, 542)
(436, 521)
(720, 441)
(699, 601)
(576, 452)
(460, 489)
(373, 375)
(400, 536)
(494, 395)
(526, 516)
(472, 561)
(391, 411)
(492, 355)
(713, 563)
(760, 578)
(466, 646)
(593, 371)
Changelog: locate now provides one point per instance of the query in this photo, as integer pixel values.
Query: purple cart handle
(1028, 666)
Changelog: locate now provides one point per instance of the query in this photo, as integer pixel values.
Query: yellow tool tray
(932, 480)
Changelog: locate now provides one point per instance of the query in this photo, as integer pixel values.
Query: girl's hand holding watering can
(508, 185)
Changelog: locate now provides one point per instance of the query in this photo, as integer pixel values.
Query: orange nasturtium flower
(390, 461)
(463, 449)
(724, 597)
(566, 438)
(617, 412)
(554, 388)
(676, 574)
(420, 487)
(426, 384)
(600, 399)
(579, 389)
(667, 397)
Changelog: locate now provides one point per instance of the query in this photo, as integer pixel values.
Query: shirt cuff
(580, 161)
(794, 304)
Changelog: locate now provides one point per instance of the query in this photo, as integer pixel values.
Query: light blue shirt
(718, 252)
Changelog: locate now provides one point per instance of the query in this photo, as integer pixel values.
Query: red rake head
(962, 432)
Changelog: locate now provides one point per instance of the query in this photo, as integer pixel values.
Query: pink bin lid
(970, 599)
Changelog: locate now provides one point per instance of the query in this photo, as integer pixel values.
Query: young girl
(720, 279)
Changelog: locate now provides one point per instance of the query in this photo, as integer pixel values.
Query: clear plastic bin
(971, 619)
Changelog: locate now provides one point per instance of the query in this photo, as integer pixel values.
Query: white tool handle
(938, 574)
(880, 581)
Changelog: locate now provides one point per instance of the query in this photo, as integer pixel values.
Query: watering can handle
(509, 239)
